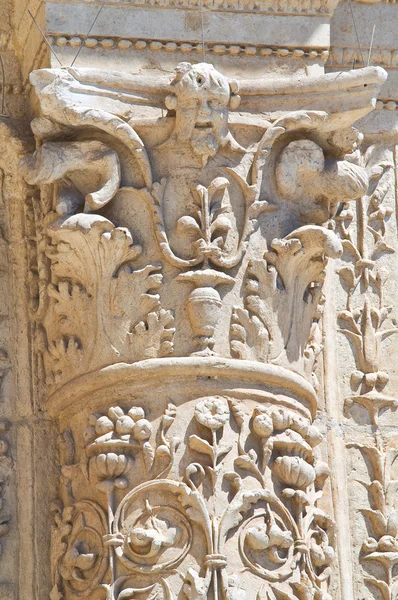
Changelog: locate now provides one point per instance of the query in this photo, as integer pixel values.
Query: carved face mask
(201, 103)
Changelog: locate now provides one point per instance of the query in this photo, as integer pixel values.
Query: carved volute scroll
(179, 317)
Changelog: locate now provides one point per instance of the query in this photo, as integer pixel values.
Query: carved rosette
(179, 330)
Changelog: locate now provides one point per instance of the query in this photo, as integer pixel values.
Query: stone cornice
(349, 55)
(289, 7)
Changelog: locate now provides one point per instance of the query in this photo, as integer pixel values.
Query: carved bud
(294, 471)
(142, 430)
(136, 413)
(103, 425)
(125, 425)
(262, 422)
(115, 412)
(322, 472)
(314, 436)
(282, 418)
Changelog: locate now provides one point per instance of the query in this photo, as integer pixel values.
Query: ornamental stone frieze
(178, 318)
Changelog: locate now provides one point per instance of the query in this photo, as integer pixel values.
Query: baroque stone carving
(367, 321)
(182, 263)
(281, 537)
(366, 324)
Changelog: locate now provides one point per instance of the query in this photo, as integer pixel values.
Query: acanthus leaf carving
(94, 299)
(283, 297)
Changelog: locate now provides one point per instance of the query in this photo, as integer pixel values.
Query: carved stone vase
(204, 305)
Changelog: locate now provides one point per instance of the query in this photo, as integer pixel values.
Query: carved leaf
(248, 463)
(134, 292)
(154, 337)
(64, 359)
(283, 595)
(377, 519)
(383, 588)
(249, 336)
(200, 445)
(223, 449)
(347, 274)
(188, 223)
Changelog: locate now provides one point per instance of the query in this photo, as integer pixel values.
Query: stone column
(181, 264)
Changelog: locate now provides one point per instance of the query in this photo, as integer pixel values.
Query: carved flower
(294, 471)
(153, 537)
(269, 538)
(212, 412)
(78, 559)
(84, 562)
(262, 422)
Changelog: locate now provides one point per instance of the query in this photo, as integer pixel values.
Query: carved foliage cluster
(147, 530)
(366, 321)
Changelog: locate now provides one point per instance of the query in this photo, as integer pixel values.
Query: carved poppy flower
(109, 466)
(294, 471)
(212, 412)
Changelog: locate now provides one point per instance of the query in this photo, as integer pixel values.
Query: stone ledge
(74, 395)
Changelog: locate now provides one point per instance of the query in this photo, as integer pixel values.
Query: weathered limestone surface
(198, 333)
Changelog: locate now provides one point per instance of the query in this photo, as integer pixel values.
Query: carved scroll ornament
(181, 264)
